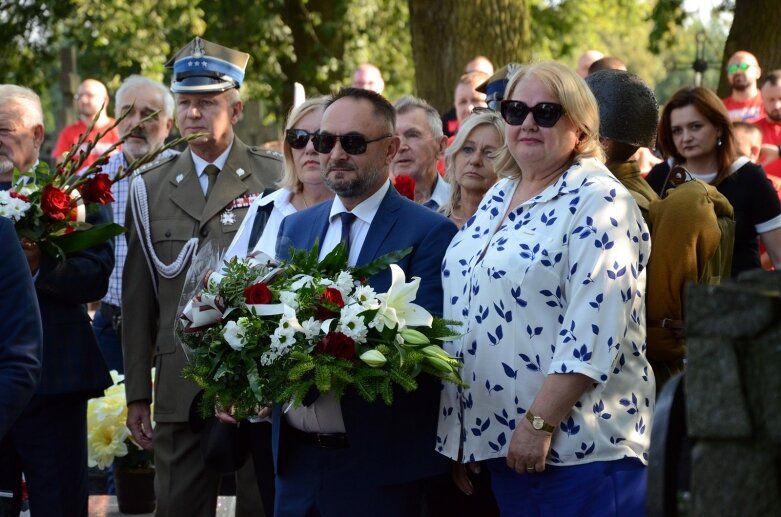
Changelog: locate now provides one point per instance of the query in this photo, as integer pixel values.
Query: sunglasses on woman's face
(352, 143)
(545, 114)
(731, 69)
(298, 138)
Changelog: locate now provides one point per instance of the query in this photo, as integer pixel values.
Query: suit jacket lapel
(381, 226)
(230, 181)
(188, 194)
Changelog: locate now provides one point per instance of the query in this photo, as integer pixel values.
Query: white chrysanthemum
(311, 327)
(367, 297)
(289, 298)
(351, 324)
(11, 207)
(344, 283)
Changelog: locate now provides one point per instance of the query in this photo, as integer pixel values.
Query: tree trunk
(753, 30)
(446, 34)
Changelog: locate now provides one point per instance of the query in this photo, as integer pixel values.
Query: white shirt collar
(200, 163)
(366, 209)
(441, 192)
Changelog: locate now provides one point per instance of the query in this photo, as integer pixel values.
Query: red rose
(97, 189)
(337, 344)
(405, 185)
(330, 303)
(257, 294)
(55, 203)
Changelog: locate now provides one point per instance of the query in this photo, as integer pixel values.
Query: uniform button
(204, 232)
(168, 233)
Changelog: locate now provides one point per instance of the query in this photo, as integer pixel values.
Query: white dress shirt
(200, 165)
(325, 414)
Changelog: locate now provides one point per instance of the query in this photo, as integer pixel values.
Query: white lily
(397, 309)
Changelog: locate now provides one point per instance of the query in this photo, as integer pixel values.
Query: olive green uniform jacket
(178, 212)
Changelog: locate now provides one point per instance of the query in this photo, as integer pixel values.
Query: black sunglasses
(298, 138)
(545, 114)
(352, 143)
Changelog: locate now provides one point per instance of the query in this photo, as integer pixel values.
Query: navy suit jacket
(72, 362)
(20, 329)
(397, 443)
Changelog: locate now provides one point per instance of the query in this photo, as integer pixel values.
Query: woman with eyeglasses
(695, 132)
(548, 279)
(469, 162)
(301, 186)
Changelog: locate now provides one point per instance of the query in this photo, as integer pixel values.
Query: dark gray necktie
(347, 222)
(211, 172)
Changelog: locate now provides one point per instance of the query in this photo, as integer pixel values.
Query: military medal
(228, 218)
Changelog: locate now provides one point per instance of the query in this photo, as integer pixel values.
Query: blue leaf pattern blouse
(558, 288)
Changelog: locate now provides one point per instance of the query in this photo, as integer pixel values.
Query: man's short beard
(741, 87)
(774, 115)
(355, 187)
(136, 150)
(6, 165)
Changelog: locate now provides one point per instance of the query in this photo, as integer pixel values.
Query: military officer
(177, 207)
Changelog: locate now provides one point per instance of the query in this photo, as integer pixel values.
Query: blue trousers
(599, 489)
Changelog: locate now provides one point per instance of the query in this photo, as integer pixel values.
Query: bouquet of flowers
(49, 205)
(107, 435)
(260, 333)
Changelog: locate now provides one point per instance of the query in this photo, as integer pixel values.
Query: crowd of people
(554, 212)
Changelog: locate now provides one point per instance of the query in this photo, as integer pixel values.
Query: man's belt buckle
(331, 440)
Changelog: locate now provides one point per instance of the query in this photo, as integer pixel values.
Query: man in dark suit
(352, 457)
(178, 205)
(20, 330)
(49, 440)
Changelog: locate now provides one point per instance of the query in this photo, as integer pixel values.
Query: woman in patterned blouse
(549, 280)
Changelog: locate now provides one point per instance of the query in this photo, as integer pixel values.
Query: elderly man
(368, 77)
(139, 97)
(419, 129)
(48, 443)
(586, 60)
(91, 99)
(745, 101)
(181, 204)
(352, 457)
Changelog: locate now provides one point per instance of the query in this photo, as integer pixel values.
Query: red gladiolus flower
(337, 344)
(330, 303)
(55, 203)
(257, 294)
(405, 185)
(18, 196)
(97, 189)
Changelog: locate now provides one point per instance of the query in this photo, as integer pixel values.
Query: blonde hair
(484, 117)
(290, 179)
(579, 105)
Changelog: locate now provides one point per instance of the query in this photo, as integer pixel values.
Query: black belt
(322, 440)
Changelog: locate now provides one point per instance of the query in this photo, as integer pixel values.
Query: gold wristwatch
(538, 423)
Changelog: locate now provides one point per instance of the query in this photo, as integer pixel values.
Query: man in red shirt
(91, 97)
(745, 101)
(771, 123)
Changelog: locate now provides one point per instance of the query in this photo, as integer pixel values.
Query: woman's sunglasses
(545, 114)
(352, 143)
(298, 138)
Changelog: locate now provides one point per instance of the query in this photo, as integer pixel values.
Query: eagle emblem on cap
(198, 48)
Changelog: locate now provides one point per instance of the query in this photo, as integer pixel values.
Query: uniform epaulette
(151, 166)
(268, 153)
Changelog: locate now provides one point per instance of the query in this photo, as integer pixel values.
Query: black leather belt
(322, 440)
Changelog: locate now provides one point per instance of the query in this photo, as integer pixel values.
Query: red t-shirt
(747, 111)
(70, 135)
(771, 134)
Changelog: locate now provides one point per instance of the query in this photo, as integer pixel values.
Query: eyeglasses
(298, 138)
(352, 143)
(545, 114)
(731, 69)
